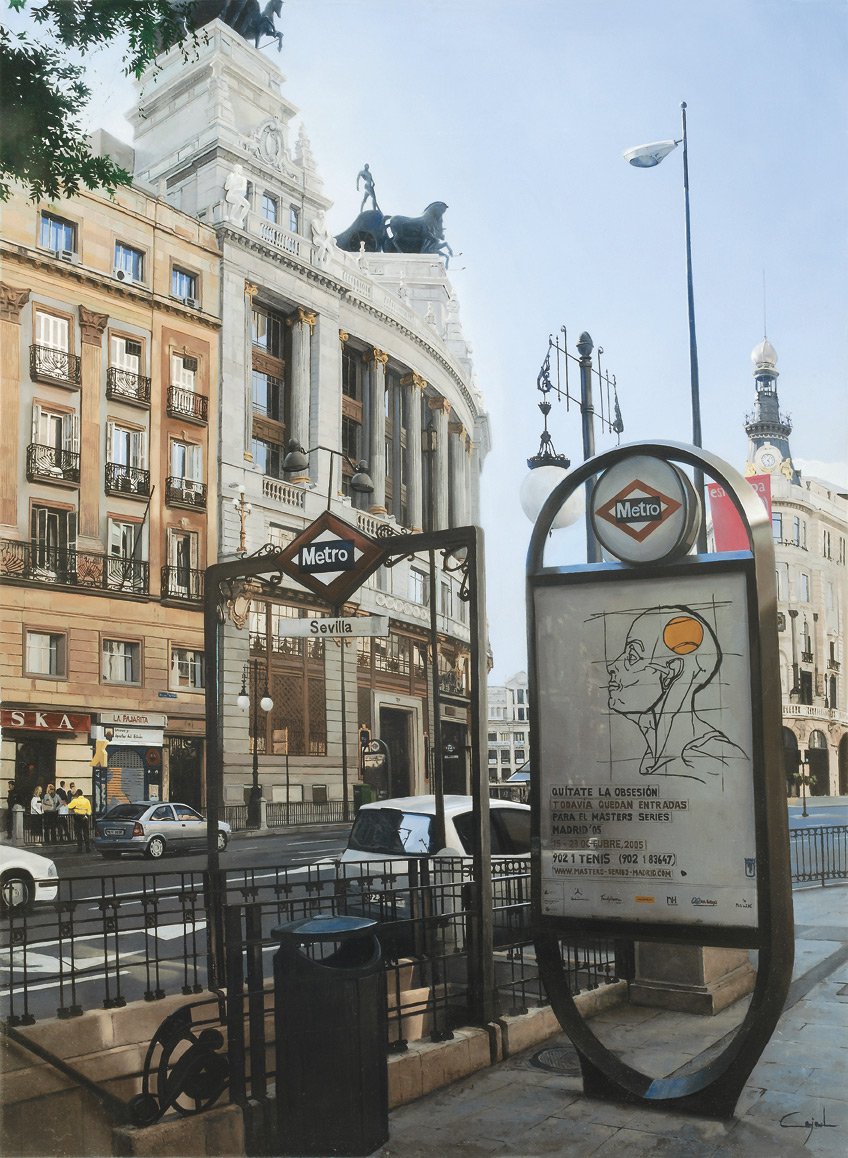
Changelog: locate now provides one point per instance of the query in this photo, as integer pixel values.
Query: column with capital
(92, 326)
(250, 292)
(456, 470)
(441, 410)
(414, 386)
(377, 431)
(12, 301)
(302, 323)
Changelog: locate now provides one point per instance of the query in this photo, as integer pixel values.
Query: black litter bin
(331, 1032)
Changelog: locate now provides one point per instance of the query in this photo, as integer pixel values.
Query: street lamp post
(647, 157)
(297, 459)
(804, 763)
(254, 803)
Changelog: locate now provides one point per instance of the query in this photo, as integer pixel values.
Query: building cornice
(104, 283)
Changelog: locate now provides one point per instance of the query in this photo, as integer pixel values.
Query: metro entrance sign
(658, 802)
(331, 558)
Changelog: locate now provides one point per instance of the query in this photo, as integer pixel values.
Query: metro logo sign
(331, 558)
(333, 555)
(638, 510)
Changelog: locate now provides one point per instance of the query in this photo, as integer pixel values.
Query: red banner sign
(35, 721)
(728, 529)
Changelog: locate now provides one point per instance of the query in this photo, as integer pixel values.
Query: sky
(516, 113)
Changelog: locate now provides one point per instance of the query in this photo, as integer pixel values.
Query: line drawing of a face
(669, 655)
(662, 646)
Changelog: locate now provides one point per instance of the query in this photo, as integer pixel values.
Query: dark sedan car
(153, 827)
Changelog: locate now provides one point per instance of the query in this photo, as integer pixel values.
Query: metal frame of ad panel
(671, 740)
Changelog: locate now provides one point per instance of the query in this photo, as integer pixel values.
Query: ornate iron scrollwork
(454, 563)
(183, 1069)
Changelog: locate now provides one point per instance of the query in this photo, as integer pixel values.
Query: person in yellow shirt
(79, 807)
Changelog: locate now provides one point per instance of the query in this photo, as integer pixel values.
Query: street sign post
(658, 802)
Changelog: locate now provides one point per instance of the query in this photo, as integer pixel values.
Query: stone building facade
(509, 727)
(810, 531)
(109, 372)
(350, 356)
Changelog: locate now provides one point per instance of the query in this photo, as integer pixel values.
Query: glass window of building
(777, 526)
(186, 669)
(805, 588)
(57, 233)
(267, 395)
(267, 457)
(121, 661)
(269, 207)
(125, 354)
(294, 219)
(183, 284)
(45, 653)
(183, 371)
(129, 261)
(520, 754)
(186, 460)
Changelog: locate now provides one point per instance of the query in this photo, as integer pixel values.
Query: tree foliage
(42, 93)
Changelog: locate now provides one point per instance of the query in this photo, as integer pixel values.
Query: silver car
(153, 827)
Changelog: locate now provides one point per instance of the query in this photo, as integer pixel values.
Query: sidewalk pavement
(795, 1102)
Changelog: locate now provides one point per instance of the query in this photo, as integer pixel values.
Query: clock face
(766, 458)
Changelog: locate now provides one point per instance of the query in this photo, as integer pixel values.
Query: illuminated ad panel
(645, 736)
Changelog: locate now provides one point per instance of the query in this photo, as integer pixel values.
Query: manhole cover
(557, 1059)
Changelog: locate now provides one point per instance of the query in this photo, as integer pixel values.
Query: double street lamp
(297, 460)
(244, 701)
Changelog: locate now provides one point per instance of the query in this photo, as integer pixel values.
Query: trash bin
(331, 1027)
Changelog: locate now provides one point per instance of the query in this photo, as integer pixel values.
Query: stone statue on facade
(366, 176)
(236, 194)
(322, 240)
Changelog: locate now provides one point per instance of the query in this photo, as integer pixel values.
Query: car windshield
(391, 832)
(126, 812)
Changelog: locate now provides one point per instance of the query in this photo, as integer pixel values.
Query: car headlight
(52, 871)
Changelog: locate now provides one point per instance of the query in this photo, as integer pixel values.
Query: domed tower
(768, 430)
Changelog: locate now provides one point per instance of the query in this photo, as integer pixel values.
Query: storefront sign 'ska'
(659, 812)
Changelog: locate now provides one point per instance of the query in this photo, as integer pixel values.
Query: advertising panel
(646, 777)
(728, 529)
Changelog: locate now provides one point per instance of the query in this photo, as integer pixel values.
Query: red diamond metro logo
(638, 510)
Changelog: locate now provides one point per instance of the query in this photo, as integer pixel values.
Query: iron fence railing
(127, 386)
(106, 941)
(67, 567)
(819, 853)
(47, 364)
(182, 583)
(49, 463)
(184, 403)
(127, 480)
(308, 812)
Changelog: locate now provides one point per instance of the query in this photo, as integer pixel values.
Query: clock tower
(768, 430)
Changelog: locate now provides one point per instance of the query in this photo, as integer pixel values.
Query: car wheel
(222, 841)
(155, 847)
(16, 892)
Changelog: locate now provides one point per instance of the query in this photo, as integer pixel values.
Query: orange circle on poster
(683, 634)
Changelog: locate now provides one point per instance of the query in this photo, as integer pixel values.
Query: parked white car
(388, 836)
(25, 877)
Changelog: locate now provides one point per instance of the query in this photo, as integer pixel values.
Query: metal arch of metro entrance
(222, 585)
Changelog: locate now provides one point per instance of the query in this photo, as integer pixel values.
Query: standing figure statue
(236, 187)
(365, 175)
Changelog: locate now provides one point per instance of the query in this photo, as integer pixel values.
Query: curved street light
(647, 157)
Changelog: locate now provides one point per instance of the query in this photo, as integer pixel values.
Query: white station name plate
(337, 628)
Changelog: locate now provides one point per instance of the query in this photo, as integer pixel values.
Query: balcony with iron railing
(833, 665)
(184, 403)
(125, 386)
(49, 464)
(37, 562)
(47, 364)
(183, 583)
(184, 492)
(806, 657)
(127, 480)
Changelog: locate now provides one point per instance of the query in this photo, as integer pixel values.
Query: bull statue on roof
(375, 232)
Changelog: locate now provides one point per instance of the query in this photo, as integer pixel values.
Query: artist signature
(808, 1124)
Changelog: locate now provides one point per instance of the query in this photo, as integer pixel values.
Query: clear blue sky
(516, 113)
